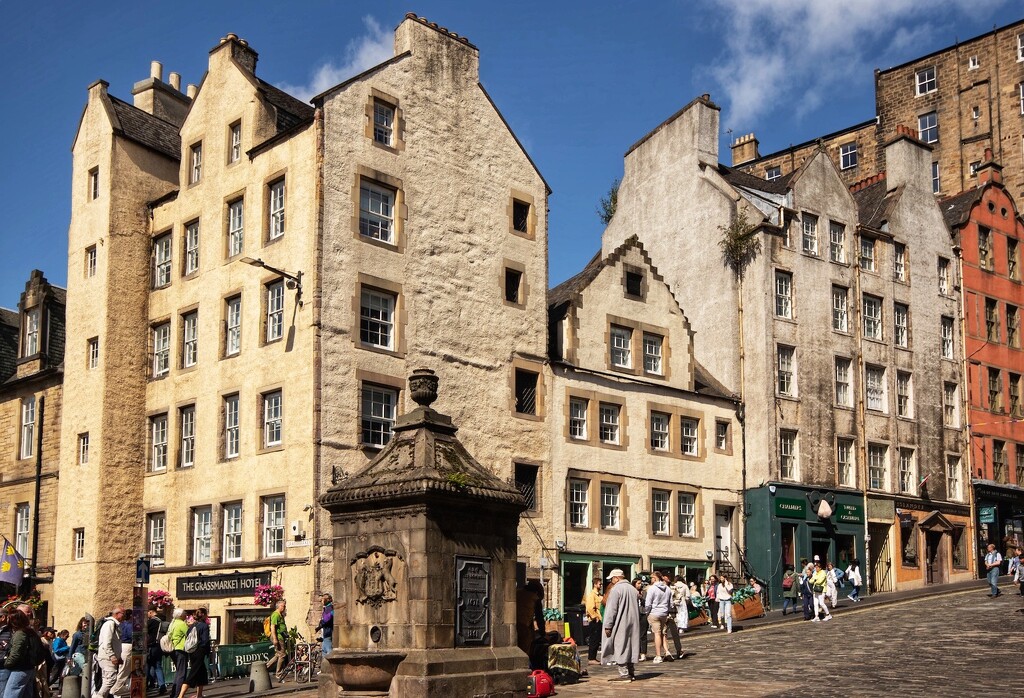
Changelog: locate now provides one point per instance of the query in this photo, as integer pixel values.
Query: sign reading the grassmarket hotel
(849, 513)
(793, 508)
(220, 585)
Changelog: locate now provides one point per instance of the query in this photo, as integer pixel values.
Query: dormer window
(30, 340)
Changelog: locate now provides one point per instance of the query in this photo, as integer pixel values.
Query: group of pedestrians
(817, 584)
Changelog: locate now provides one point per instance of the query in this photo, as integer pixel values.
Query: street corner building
(251, 279)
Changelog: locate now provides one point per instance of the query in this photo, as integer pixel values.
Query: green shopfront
(783, 528)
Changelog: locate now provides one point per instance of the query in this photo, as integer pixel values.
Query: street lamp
(294, 280)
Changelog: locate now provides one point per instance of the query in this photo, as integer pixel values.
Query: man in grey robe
(622, 625)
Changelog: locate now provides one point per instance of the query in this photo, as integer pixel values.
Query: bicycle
(303, 661)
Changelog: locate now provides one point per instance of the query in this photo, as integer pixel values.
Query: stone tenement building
(31, 376)
(645, 443)
(987, 226)
(962, 100)
(840, 336)
(251, 280)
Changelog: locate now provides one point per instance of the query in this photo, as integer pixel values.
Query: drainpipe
(862, 465)
(965, 406)
(39, 480)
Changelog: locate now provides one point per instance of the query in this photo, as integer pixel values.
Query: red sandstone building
(987, 226)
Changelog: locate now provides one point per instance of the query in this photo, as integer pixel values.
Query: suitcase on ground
(564, 663)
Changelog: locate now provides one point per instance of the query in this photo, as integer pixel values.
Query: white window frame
(273, 418)
(946, 333)
(943, 272)
(901, 325)
(687, 514)
(936, 178)
(379, 408)
(187, 430)
(722, 435)
(94, 184)
(904, 395)
(383, 123)
(273, 526)
(652, 353)
(236, 227)
(276, 209)
(867, 254)
(161, 349)
(899, 262)
(232, 545)
(872, 312)
(661, 517)
(973, 63)
(928, 127)
(158, 443)
(90, 261)
(192, 248)
(609, 423)
(30, 344)
(846, 462)
(195, 171)
(232, 435)
(22, 527)
(878, 467)
(28, 427)
(621, 354)
(93, 351)
(83, 448)
(875, 392)
(907, 471)
(951, 405)
(809, 237)
(233, 326)
(783, 294)
(275, 310)
(1020, 47)
(578, 418)
(611, 507)
(789, 466)
(162, 258)
(785, 364)
(840, 309)
(660, 422)
(202, 535)
(189, 339)
(377, 319)
(773, 173)
(844, 391)
(689, 436)
(848, 156)
(235, 146)
(925, 81)
(376, 212)
(837, 242)
(954, 479)
(156, 537)
(579, 505)
(78, 544)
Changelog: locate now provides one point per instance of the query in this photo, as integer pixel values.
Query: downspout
(39, 482)
(318, 474)
(965, 406)
(862, 465)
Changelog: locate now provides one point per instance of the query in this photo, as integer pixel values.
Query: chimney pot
(191, 91)
(175, 81)
(156, 70)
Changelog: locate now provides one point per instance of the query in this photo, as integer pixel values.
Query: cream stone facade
(434, 256)
(31, 374)
(646, 446)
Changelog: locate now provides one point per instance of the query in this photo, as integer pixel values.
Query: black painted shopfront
(1000, 512)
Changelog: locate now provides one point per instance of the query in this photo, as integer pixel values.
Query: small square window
(847, 156)
(520, 216)
(377, 417)
(376, 212)
(723, 435)
(926, 81)
(513, 286)
(973, 63)
(377, 319)
(526, 391)
(928, 127)
(772, 173)
(526, 483)
(634, 284)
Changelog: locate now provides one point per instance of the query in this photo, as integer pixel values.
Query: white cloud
(372, 48)
(790, 54)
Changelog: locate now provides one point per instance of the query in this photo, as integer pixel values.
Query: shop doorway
(881, 558)
(935, 557)
(845, 551)
(821, 548)
(576, 579)
(723, 532)
(788, 545)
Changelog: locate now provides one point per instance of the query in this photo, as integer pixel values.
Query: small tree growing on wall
(608, 204)
(740, 244)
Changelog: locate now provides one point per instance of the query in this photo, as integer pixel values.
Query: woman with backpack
(790, 589)
(197, 648)
(853, 574)
(21, 660)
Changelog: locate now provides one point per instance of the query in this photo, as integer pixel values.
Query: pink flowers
(268, 594)
(160, 599)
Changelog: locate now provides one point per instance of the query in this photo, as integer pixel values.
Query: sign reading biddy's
(791, 508)
(220, 585)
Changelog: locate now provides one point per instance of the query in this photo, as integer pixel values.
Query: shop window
(959, 547)
(908, 544)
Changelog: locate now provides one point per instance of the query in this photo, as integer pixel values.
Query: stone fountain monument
(425, 555)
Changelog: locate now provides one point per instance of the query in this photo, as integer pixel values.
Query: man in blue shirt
(993, 563)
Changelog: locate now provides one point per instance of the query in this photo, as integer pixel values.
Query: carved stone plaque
(373, 575)
(473, 601)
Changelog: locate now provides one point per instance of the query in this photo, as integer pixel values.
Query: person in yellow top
(592, 611)
(819, 583)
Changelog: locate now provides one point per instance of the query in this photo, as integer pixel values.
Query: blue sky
(578, 82)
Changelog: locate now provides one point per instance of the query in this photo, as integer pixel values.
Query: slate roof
(560, 295)
(9, 323)
(739, 178)
(290, 110)
(146, 129)
(957, 209)
(875, 203)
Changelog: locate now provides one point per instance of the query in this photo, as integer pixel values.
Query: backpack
(166, 646)
(94, 639)
(787, 582)
(267, 627)
(192, 640)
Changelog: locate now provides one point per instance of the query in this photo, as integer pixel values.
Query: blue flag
(12, 565)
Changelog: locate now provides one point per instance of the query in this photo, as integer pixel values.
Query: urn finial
(423, 386)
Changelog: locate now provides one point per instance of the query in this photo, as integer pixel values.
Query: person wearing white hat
(622, 626)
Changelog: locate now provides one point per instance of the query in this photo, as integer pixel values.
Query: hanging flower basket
(160, 599)
(268, 594)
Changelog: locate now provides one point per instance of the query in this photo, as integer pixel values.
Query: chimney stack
(161, 99)
(156, 70)
(744, 149)
(175, 81)
(989, 170)
(191, 90)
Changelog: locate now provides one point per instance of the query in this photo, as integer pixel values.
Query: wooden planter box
(751, 608)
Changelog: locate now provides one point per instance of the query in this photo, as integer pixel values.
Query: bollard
(259, 678)
(71, 686)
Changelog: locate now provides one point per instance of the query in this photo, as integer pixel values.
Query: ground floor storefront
(785, 528)
(917, 542)
(1000, 518)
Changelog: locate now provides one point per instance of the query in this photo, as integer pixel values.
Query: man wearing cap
(622, 626)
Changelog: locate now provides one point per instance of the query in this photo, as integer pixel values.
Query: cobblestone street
(952, 645)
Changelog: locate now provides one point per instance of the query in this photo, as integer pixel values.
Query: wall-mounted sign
(472, 601)
(850, 513)
(986, 515)
(791, 508)
(216, 586)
